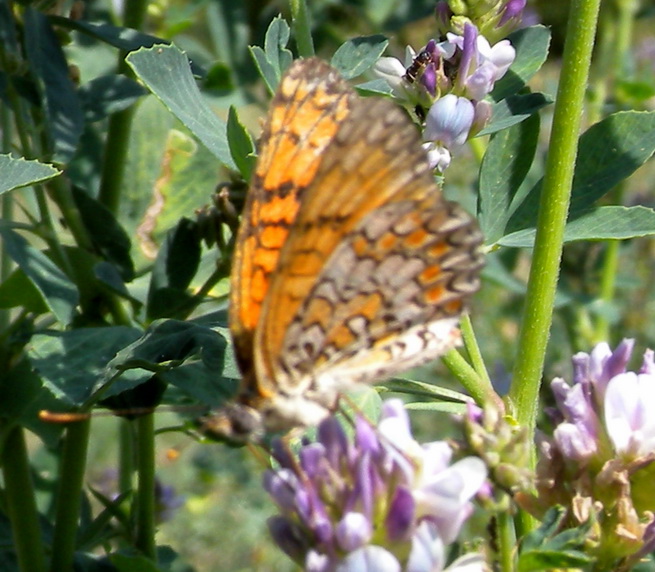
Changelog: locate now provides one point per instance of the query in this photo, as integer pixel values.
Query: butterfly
(349, 264)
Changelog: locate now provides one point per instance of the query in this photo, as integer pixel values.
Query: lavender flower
(599, 461)
(382, 502)
(481, 65)
(451, 80)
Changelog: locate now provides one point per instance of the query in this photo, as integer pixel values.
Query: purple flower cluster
(451, 79)
(608, 411)
(600, 460)
(380, 502)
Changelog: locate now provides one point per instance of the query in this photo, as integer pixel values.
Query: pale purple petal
(624, 412)
(599, 355)
(630, 413)
(445, 497)
(353, 531)
(316, 562)
(438, 156)
(502, 56)
(481, 82)
(574, 442)
(617, 362)
(449, 121)
(283, 486)
(436, 457)
(369, 559)
(648, 365)
(427, 550)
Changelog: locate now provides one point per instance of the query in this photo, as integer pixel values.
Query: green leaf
(274, 59)
(602, 223)
(108, 237)
(59, 293)
(165, 71)
(24, 397)
(504, 167)
(546, 548)
(18, 291)
(437, 407)
(187, 355)
(531, 45)
(176, 265)
(71, 363)
(515, 109)
(59, 102)
(16, 173)
(275, 43)
(608, 153)
(422, 389)
(108, 94)
(356, 56)
(241, 144)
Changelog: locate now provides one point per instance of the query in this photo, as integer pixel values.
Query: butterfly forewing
(310, 103)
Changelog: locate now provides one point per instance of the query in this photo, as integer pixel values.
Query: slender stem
(470, 380)
(302, 28)
(21, 504)
(69, 495)
(607, 288)
(145, 507)
(506, 540)
(120, 124)
(555, 197)
(473, 349)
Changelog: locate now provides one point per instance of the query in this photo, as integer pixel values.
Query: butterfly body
(350, 266)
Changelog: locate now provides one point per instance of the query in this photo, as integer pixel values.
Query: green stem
(120, 124)
(471, 345)
(21, 504)
(126, 455)
(506, 541)
(523, 397)
(69, 495)
(470, 380)
(607, 288)
(145, 507)
(302, 28)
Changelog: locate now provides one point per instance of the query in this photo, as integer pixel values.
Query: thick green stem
(21, 504)
(126, 455)
(523, 398)
(145, 501)
(69, 495)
